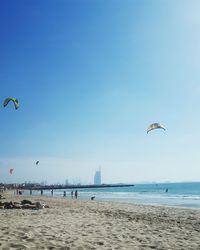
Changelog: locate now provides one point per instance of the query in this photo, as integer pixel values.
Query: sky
(90, 76)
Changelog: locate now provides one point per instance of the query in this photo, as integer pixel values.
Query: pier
(48, 187)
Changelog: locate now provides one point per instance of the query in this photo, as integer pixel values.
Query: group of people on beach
(74, 194)
(24, 204)
(18, 192)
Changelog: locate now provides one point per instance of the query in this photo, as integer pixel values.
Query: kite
(14, 100)
(37, 162)
(155, 126)
(11, 170)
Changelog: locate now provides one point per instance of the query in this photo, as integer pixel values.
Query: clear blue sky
(90, 77)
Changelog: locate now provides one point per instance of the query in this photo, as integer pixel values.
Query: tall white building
(97, 177)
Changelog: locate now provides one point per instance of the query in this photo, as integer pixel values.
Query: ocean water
(179, 194)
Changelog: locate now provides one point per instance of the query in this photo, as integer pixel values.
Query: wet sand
(78, 224)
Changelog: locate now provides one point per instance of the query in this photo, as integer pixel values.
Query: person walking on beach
(52, 192)
(41, 192)
(76, 194)
(72, 194)
(64, 193)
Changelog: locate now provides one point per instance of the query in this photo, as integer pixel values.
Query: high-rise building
(97, 177)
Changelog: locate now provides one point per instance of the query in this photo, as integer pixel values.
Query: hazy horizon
(90, 77)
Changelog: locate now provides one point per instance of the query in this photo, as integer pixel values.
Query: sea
(170, 194)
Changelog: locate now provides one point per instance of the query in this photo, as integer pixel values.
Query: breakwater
(48, 187)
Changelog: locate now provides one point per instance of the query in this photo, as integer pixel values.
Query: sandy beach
(77, 224)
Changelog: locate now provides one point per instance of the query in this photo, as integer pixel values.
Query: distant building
(97, 177)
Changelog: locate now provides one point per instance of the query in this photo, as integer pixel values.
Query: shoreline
(79, 224)
(81, 199)
(125, 201)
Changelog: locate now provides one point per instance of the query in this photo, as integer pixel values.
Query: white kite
(155, 126)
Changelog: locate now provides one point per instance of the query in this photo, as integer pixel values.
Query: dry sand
(75, 224)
